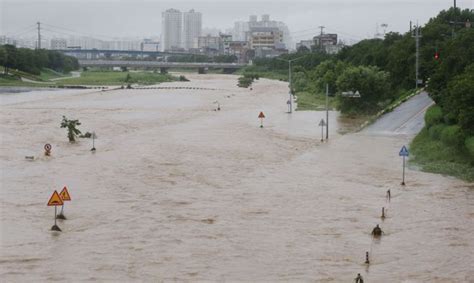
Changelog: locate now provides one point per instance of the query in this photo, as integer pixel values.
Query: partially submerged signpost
(47, 149)
(261, 116)
(93, 142)
(403, 152)
(322, 124)
(55, 200)
(65, 196)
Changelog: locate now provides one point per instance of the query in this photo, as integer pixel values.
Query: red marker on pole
(261, 116)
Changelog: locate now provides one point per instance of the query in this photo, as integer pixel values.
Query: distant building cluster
(183, 32)
(326, 42)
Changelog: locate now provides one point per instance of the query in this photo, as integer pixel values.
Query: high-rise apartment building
(180, 30)
(192, 28)
(172, 23)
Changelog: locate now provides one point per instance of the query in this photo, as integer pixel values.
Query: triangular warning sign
(55, 200)
(64, 194)
(261, 115)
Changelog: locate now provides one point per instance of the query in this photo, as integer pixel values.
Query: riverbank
(85, 78)
(443, 148)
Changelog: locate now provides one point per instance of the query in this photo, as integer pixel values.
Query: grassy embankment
(441, 148)
(87, 78)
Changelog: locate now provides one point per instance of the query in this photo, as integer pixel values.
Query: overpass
(164, 66)
(96, 53)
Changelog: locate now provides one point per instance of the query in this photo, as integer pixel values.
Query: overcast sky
(352, 19)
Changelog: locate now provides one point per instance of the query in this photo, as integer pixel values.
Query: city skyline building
(192, 29)
(171, 33)
(241, 29)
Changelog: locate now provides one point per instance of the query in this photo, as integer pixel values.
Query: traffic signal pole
(417, 37)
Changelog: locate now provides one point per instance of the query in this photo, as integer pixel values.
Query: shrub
(433, 116)
(72, 131)
(436, 130)
(469, 143)
(245, 81)
(183, 79)
(452, 135)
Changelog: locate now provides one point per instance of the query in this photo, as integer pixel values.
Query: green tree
(459, 101)
(3, 56)
(372, 84)
(71, 125)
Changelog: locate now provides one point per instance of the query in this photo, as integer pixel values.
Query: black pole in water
(93, 142)
(367, 258)
(55, 227)
(383, 213)
(61, 215)
(403, 178)
(322, 134)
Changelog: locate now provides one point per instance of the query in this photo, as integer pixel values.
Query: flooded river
(177, 191)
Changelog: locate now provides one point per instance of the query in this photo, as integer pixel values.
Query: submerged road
(407, 119)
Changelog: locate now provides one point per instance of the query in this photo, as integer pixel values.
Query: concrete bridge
(164, 66)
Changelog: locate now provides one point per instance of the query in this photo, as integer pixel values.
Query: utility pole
(291, 89)
(290, 85)
(39, 35)
(417, 37)
(327, 111)
(454, 20)
(321, 38)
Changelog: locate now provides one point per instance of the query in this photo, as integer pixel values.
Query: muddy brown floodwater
(178, 191)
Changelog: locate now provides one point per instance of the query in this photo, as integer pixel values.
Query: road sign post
(65, 196)
(93, 142)
(322, 124)
(327, 111)
(47, 149)
(55, 200)
(261, 116)
(404, 153)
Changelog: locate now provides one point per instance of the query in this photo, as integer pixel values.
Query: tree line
(32, 61)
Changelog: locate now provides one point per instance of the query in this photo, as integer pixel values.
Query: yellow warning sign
(64, 194)
(55, 200)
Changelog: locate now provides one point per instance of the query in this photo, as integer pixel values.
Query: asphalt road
(406, 119)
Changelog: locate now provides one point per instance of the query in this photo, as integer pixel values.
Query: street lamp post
(327, 111)
(290, 85)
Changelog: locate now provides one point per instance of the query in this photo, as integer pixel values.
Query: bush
(469, 143)
(183, 79)
(245, 81)
(452, 136)
(435, 131)
(433, 116)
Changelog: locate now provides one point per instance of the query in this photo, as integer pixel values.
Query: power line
(29, 30)
(73, 32)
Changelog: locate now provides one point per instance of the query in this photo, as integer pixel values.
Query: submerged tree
(72, 131)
